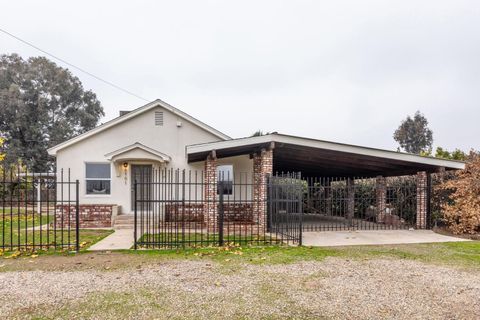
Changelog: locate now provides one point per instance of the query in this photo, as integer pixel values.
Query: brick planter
(184, 213)
(91, 215)
(233, 212)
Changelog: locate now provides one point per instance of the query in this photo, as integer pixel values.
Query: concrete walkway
(118, 240)
(373, 237)
(123, 238)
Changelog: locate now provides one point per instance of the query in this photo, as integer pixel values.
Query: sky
(344, 71)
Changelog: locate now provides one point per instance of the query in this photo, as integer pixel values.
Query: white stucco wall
(168, 139)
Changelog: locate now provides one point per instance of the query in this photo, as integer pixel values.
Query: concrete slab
(118, 240)
(373, 237)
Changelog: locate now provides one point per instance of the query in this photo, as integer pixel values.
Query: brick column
(350, 200)
(381, 198)
(422, 199)
(262, 167)
(210, 195)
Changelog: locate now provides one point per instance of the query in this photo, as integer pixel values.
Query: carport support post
(350, 200)
(381, 198)
(422, 200)
(262, 168)
(210, 189)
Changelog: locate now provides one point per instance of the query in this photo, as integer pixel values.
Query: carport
(343, 186)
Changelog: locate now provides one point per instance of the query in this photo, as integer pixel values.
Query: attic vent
(158, 118)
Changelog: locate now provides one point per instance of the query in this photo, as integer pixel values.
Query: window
(225, 179)
(97, 178)
(158, 118)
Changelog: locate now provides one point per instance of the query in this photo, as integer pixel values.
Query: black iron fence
(179, 208)
(38, 211)
(285, 201)
(360, 203)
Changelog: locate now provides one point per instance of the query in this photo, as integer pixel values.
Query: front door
(142, 174)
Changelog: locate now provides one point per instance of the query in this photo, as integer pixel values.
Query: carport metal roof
(323, 158)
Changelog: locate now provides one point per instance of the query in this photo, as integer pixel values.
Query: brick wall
(210, 193)
(422, 200)
(262, 168)
(233, 212)
(91, 215)
(191, 212)
(254, 213)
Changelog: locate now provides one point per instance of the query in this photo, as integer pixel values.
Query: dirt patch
(145, 288)
(76, 262)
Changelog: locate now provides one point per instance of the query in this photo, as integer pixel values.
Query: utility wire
(74, 66)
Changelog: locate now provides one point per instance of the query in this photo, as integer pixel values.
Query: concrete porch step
(124, 221)
(125, 216)
(123, 226)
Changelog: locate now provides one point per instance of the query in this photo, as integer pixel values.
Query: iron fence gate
(181, 209)
(285, 206)
(38, 211)
(360, 203)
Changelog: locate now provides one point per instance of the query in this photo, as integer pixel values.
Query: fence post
(269, 203)
(300, 204)
(183, 208)
(220, 212)
(135, 214)
(77, 215)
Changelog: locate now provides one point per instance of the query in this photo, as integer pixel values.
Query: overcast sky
(347, 71)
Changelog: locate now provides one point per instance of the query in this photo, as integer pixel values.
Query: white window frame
(93, 195)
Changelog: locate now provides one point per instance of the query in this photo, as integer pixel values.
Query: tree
(462, 210)
(258, 133)
(457, 154)
(2, 154)
(41, 105)
(413, 134)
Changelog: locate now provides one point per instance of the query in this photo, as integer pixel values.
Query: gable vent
(158, 118)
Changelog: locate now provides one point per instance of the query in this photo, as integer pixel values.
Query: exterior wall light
(125, 167)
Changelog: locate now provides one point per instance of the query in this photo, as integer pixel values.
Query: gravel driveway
(335, 288)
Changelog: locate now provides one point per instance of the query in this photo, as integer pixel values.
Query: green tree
(414, 136)
(457, 154)
(258, 133)
(41, 105)
(2, 155)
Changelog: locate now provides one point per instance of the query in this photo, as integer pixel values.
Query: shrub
(462, 210)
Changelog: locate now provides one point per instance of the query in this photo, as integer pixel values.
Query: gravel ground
(335, 288)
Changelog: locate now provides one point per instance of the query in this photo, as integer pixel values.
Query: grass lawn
(182, 240)
(460, 254)
(27, 231)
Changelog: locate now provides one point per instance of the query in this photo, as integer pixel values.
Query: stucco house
(108, 159)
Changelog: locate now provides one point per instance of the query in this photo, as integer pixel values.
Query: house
(109, 160)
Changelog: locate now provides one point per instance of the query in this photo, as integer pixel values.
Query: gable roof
(156, 103)
(137, 145)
